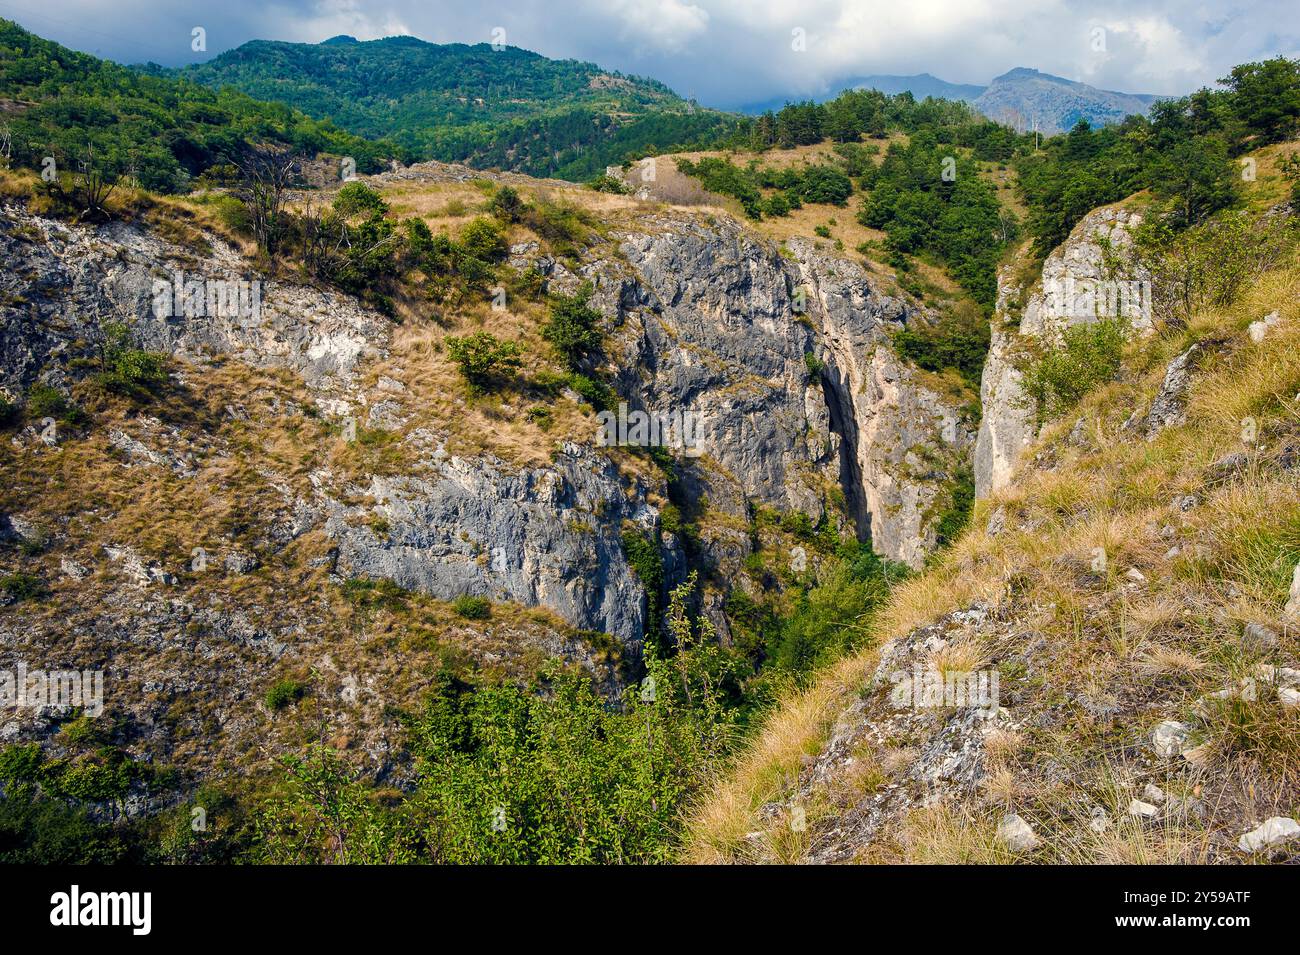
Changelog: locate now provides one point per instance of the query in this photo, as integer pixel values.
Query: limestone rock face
(785, 362)
(540, 537)
(782, 357)
(1075, 286)
(62, 282)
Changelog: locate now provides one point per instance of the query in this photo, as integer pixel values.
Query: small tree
(572, 327)
(483, 240)
(507, 205)
(356, 198)
(482, 358)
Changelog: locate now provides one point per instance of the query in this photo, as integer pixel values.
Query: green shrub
(954, 518)
(562, 225)
(10, 413)
(646, 559)
(128, 371)
(958, 340)
(507, 205)
(284, 693)
(44, 401)
(603, 183)
(356, 198)
(1087, 355)
(22, 586)
(573, 325)
(548, 773)
(834, 616)
(482, 239)
(472, 608)
(483, 358)
(367, 594)
(595, 393)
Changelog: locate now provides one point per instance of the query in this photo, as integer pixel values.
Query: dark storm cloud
(731, 52)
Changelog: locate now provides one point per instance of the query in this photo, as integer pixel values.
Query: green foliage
(1196, 179)
(593, 391)
(1207, 265)
(367, 594)
(954, 518)
(483, 358)
(1265, 98)
(824, 184)
(1086, 356)
(573, 325)
(506, 204)
(505, 109)
(10, 413)
(562, 225)
(835, 615)
(153, 129)
(46, 401)
(356, 198)
(646, 559)
(125, 370)
(604, 183)
(958, 340)
(1181, 152)
(23, 586)
(726, 179)
(472, 608)
(929, 198)
(815, 183)
(284, 693)
(482, 239)
(547, 774)
(813, 365)
(35, 831)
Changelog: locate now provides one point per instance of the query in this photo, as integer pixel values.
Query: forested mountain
(79, 109)
(489, 106)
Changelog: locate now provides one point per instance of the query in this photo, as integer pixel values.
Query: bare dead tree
(266, 174)
(94, 183)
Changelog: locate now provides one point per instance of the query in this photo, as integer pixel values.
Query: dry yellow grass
(721, 824)
(1171, 637)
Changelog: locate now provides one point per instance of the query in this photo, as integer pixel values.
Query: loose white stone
(1153, 793)
(1168, 738)
(1273, 832)
(1292, 608)
(1016, 834)
(1142, 810)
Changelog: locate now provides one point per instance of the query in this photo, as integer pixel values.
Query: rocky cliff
(1078, 283)
(294, 507)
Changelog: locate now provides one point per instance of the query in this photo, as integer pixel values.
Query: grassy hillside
(1181, 619)
(501, 108)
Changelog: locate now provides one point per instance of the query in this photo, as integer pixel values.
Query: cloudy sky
(728, 53)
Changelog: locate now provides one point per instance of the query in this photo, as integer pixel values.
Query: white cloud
(731, 52)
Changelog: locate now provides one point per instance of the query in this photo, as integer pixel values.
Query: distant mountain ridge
(488, 106)
(1053, 104)
(1022, 97)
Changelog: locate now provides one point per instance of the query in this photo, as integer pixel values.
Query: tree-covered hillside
(488, 106)
(80, 109)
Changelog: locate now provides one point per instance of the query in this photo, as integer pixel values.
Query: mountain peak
(339, 40)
